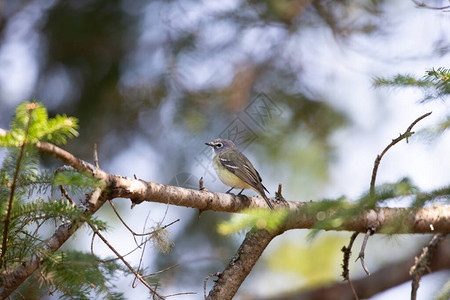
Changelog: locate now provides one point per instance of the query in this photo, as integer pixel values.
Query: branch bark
(413, 220)
(241, 264)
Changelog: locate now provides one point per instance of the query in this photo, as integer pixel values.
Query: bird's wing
(237, 163)
(260, 180)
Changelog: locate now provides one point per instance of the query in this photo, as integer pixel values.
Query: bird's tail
(261, 192)
(267, 200)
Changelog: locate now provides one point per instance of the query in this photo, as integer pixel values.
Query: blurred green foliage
(315, 262)
(435, 83)
(259, 218)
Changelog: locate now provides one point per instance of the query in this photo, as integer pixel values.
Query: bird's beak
(211, 144)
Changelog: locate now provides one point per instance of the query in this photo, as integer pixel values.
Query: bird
(234, 169)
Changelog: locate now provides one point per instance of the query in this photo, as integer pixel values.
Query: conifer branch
(30, 108)
(13, 278)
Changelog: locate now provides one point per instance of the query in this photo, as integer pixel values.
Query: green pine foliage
(31, 208)
(387, 191)
(78, 275)
(30, 178)
(253, 218)
(435, 83)
(31, 124)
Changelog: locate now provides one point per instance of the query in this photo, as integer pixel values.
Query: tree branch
(12, 191)
(241, 264)
(422, 4)
(402, 136)
(138, 276)
(422, 264)
(413, 220)
(345, 269)
(362, 255)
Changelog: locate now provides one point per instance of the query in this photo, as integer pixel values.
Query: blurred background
(290, 81)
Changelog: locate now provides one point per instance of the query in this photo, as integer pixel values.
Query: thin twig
(56, 172)
(422, 4)
(30, 108)
(422, 263)
(141, 279)
(278, 195)
(201, 184)
(137, 246)
(180, 294)
(135, 282)
(46, 281)
(96, 156)
(127, 227)
(161, 271)
(345, 270)
(32, 236)
(201, 187)
(363, 248)
(65, 194)
(405, 135)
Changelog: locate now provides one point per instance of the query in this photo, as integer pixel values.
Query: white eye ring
(219, 145)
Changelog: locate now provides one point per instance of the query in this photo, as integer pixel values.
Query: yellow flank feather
(229, 178)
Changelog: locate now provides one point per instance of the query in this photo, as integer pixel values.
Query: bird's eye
(219, 145)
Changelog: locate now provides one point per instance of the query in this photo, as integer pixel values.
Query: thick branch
(413, 220)
(241, 264)
(385, 278)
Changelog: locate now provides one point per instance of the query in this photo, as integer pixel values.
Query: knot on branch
(375, 219)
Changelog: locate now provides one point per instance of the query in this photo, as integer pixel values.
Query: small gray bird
(234, 169)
